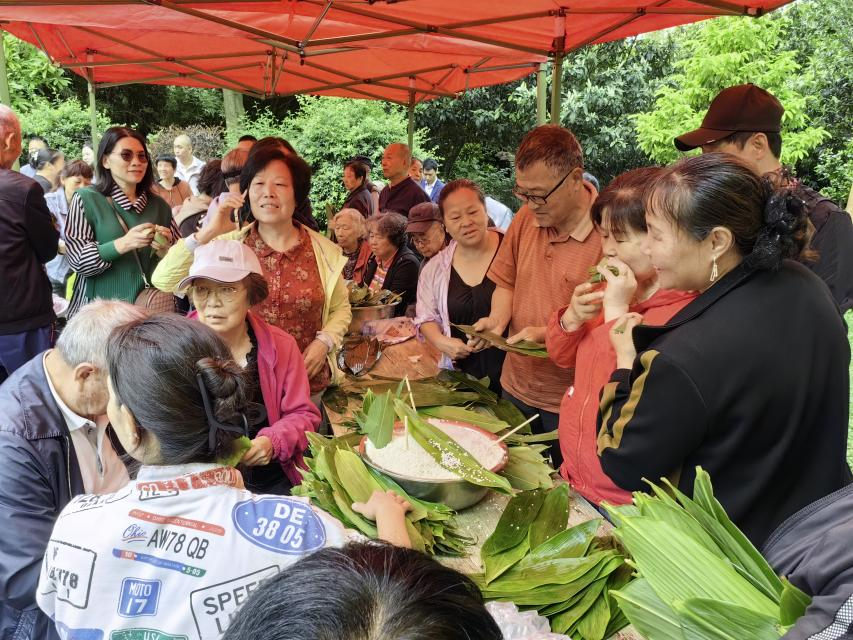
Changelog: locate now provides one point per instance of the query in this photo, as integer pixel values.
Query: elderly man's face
(565, 191)
(431, 241)
(394, 162)
(183, 149)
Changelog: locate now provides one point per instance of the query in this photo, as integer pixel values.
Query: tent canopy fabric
(397, 50)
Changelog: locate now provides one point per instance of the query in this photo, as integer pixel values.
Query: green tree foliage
(31, 74)
(820, 34)
(477, 133)
(329, 131)
(718, 54)
(64, 124)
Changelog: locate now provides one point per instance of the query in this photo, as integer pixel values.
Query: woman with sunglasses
(117, 229)
(225, 282)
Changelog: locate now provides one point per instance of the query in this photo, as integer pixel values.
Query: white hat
(222, 261)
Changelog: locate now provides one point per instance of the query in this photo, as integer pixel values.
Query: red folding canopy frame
(402, 51)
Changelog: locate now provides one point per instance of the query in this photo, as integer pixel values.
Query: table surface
(417, 359)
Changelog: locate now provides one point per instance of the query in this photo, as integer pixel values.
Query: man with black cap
(746, 121)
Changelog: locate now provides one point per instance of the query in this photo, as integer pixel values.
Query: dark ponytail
(700, 193)
(159, 368)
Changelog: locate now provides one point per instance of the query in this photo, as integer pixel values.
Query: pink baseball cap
(222, 261)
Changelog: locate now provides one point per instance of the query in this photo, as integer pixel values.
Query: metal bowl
(456, 494)
(360, 315)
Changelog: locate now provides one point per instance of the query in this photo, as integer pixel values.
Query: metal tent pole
(556, 88)
(411, 113)
(559, 47)
(541, 96)
(93, 106)
(5, 97)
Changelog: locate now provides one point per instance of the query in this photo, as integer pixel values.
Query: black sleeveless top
(466, 305)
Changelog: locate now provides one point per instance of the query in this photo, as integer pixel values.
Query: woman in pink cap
(225, 281)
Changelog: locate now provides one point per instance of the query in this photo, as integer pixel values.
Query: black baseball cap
(745, 107)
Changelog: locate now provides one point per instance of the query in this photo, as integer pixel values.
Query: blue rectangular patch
(139, 597)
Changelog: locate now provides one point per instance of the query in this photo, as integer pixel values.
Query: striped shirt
(81, 245)
(378, 282)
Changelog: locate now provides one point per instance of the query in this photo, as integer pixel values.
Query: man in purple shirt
(401, 193)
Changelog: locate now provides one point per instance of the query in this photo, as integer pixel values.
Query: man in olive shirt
(401, 193)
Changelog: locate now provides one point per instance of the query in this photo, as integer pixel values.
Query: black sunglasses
(127, 155)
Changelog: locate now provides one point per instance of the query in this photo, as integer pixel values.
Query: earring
(714, 271)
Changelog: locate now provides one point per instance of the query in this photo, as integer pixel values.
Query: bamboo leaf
(793, 604)
(380, 420)
(484, 421)
(469, 382)
(553, 516)
(703, 619)
(571, 543)
(653, 618)
(591, 613)
(448, 453)
(670, 560)
(525, 347)
(498, 563)
(509, 413)
(514, 522)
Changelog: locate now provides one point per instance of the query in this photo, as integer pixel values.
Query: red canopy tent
(403, 51)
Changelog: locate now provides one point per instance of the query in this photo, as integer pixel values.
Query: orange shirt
(542, 268)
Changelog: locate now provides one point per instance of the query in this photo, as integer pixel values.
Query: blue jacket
(436, 190)
(812, 549)
(39, 475)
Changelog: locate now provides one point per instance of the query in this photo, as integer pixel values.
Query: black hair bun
(785, 232)
(226, 383)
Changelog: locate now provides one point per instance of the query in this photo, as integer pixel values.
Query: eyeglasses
(529, 197)
(226, 294)
(127, 155)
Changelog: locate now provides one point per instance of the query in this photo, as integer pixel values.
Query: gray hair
(356, 218)
(84, 338)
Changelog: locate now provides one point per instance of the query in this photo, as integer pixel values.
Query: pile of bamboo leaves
(337, 477)
(565, 574)
(699, 578)
(524, 347)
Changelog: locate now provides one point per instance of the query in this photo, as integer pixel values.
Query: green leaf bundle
(700, 577)
(337, 477)
(565, 574)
